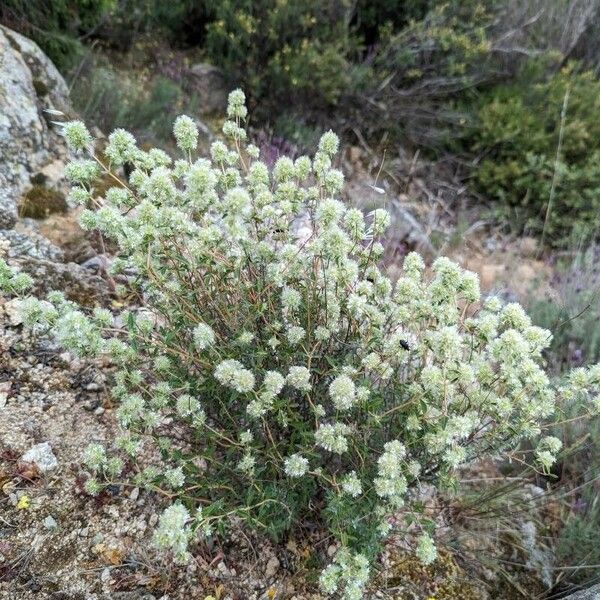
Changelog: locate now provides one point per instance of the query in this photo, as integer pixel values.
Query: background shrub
(518, 133)
(297, 52)
(57, 25)
(571, 310)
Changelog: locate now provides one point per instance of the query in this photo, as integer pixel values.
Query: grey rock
(41, 456)
(29, 84)
(208, 84)
(50, 522)
(8, 204)
(406, 228)
(78, 284)
(46, 78)
(592, 593)
(30, 245)
(272, 567)
(96, 263)
(135, 595)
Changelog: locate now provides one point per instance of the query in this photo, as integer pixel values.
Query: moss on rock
(40, 202)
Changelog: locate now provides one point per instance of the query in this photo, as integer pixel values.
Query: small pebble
(272, 566)
(41, 456)
(50, 522)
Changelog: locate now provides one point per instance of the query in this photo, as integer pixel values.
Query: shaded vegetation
(40, 202)
(495, 83)
(540, 141)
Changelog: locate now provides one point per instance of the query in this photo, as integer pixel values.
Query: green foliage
(12, 281)
(420, 70)
(372, 17)
(571, 310)
(40, 202)
(57, 25)
(578, 545)
(109, 98)
(296, 52)
(577, 548)
(518, 130)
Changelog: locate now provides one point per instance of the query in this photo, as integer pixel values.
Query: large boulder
(29, 86)
(32, 159)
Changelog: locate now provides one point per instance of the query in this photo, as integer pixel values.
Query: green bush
(518, 132)
(275, 374)
(297, 52)
(109, 98)
(390, 68)
(57, 25)
(419, 71)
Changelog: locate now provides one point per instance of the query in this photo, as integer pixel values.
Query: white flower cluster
(343, 392)
(295, 465)
(333, 437)
(426, 550)
(390, 482)
(204, 336)
(231, 373)
(173, 532)
(13, 281)
(348, 574)
(275, 349)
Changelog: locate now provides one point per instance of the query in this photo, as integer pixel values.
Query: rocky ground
(56, 542)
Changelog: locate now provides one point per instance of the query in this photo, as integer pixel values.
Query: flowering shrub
(275, 373)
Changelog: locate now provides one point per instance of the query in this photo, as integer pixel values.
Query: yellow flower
(23, 503)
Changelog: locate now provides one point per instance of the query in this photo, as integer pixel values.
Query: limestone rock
(47, 81)
(29, 84)
(41, 456)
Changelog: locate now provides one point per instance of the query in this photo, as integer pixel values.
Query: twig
(563, 117)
